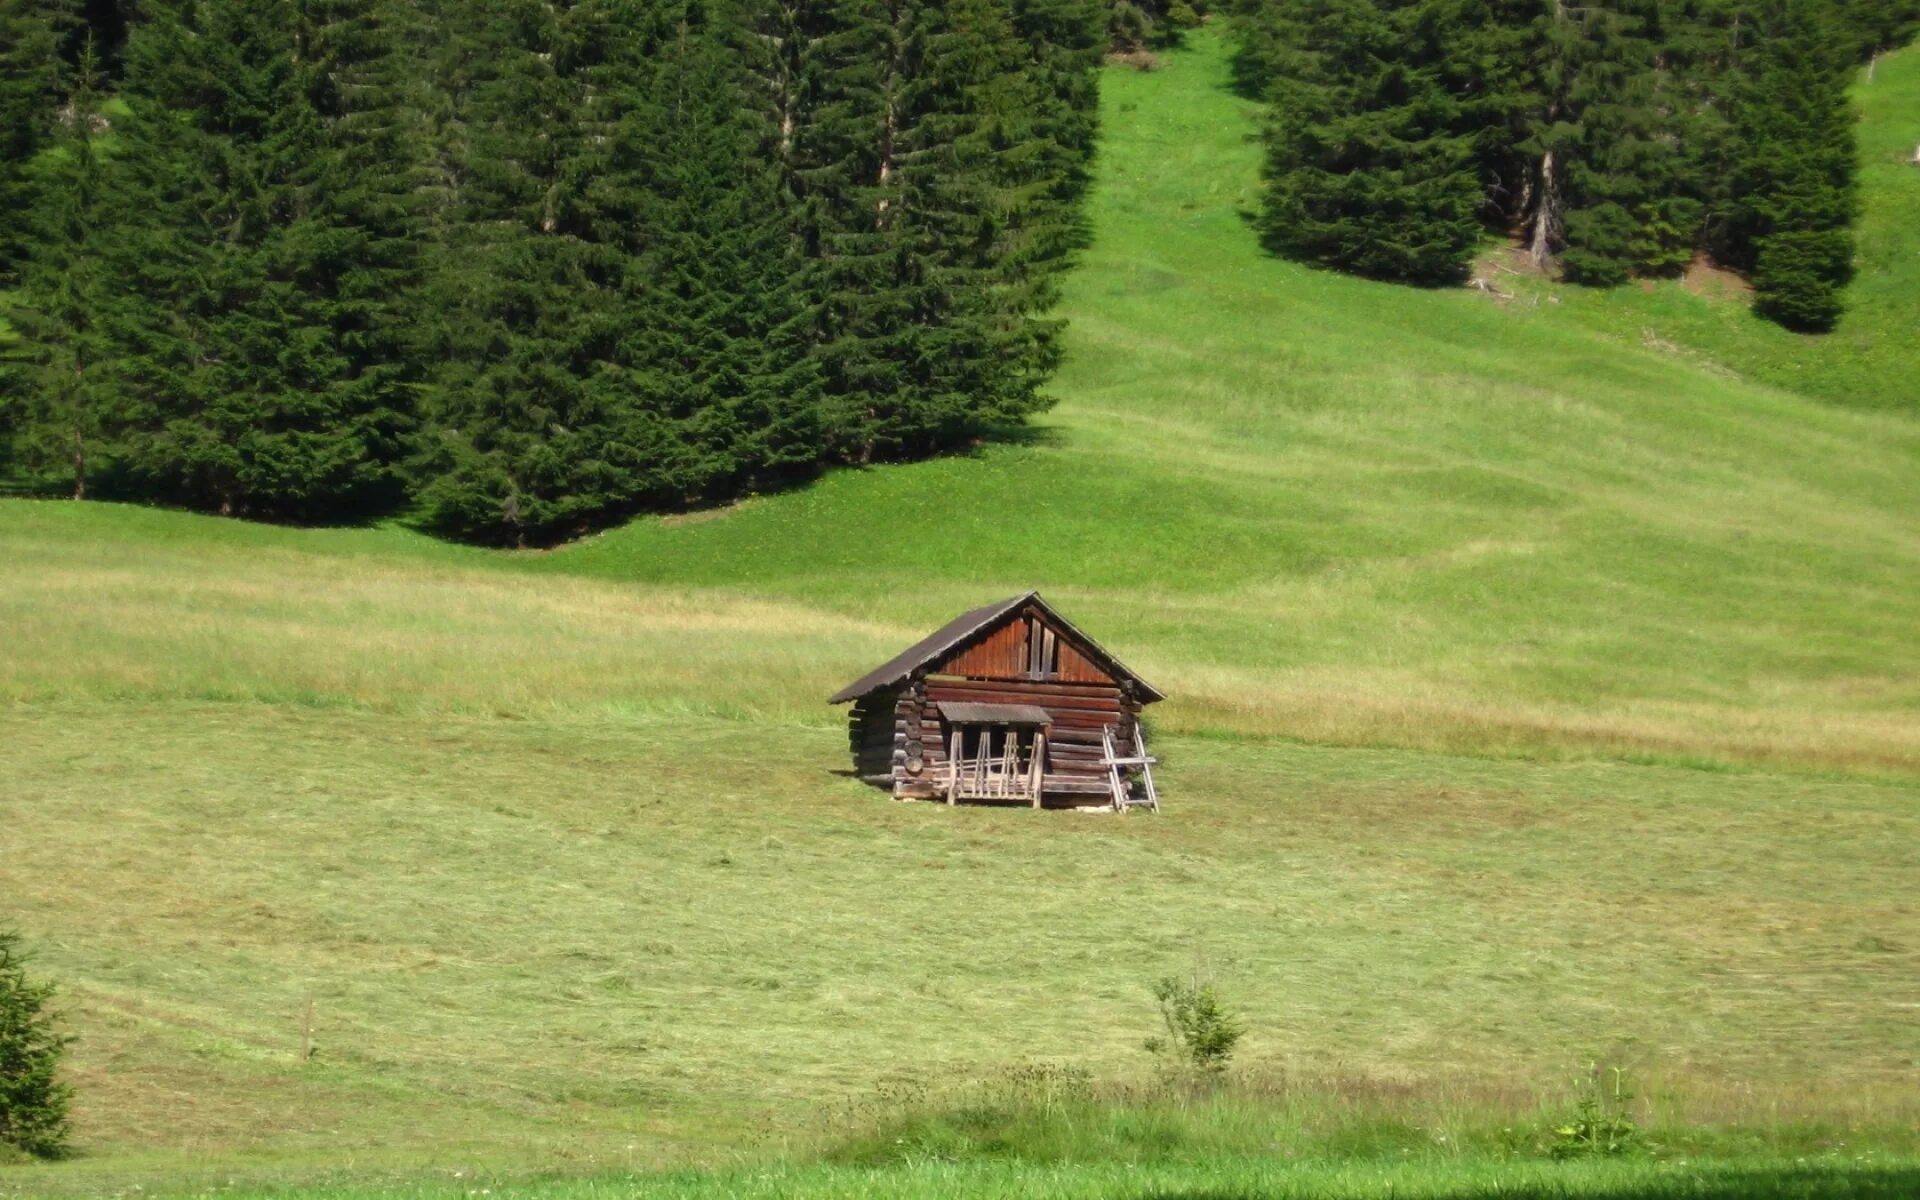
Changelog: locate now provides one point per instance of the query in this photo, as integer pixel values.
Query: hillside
(1539, 691)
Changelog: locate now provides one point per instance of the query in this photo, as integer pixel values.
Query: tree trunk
(79, 465)
(890, 126)
(1546, 215)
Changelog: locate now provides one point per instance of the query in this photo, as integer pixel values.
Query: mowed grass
(1537, 697)
(605, 915)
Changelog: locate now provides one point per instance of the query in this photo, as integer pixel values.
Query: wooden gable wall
(1024, 646)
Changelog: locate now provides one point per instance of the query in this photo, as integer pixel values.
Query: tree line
(1615, 138)
(528, 267)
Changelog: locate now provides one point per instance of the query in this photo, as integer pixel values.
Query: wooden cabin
(1007, 704)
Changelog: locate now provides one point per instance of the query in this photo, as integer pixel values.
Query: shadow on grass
(1699, 1182)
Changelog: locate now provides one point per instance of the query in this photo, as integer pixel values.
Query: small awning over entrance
(994, 714)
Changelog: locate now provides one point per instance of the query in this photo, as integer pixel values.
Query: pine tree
(1876, 26)
(33, 1101)
(1135, 25)
(33, 82)
(938, 249)
(68, 411)
(1370, 167)
(1794, 186)
(717, 350)
(272, 239)
(1064, 49)
(533, 433)
(1627, 210)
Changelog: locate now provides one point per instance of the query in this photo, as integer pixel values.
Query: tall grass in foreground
(1042, 1113)
(1261, 1177)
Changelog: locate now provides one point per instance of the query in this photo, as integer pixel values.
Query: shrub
(1599, 1126)
(1201, 1032)
(33, 1102)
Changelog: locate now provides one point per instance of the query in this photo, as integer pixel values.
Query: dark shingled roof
(965, 626)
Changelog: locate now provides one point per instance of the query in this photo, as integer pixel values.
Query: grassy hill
(1542, 689)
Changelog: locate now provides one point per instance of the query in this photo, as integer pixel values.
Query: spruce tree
(1794, 186)
(33, 1101)
(67, 410)
(1627, 208)
(270, 235)
(33, 82)
(1369, 166)
(933, 224)
(1064, 47)
(531, 431)
(1875, 26)
(717, 348)
(1134, 25)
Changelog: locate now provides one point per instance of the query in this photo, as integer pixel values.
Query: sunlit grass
(1537, 694)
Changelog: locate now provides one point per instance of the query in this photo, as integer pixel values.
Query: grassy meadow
(1542, 693)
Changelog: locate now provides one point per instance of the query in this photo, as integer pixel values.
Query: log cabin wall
(873, 735)
(1016, 652)
(1027, 661)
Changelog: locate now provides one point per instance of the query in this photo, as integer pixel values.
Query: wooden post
(1039, 771)
(953, 769)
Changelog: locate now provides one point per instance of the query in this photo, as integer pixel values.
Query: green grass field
(1542, 692)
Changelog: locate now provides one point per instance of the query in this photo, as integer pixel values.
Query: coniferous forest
(524, 269)
(529, 267)
(1614, 138)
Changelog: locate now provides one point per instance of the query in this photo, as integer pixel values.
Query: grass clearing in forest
(1540, 695)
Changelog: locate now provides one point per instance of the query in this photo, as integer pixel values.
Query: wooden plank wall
(1024, 660)
(1026, 646)
(1080, 712)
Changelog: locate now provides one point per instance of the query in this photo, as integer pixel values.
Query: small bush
(1201, 1032)
(1599, 1126)
(33, 1102)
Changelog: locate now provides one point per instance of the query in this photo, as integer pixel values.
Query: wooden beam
(1039, 772)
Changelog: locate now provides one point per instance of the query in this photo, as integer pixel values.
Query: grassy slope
(503, 820)
(1326, 508)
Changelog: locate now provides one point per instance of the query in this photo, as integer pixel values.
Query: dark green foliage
(711, 247)
(1878, 25)
(1617, 138)
(548, 265)
(66, 402)
(530, 436)
(1141, 24)
(1371, 161)
(33, 1101)
(935, 155)
(1794, 185)
(720, 347)
(628, 321)
(1620, 145)
(269, 233)
(33, 81)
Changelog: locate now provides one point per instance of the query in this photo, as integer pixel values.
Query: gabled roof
(967, 625)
